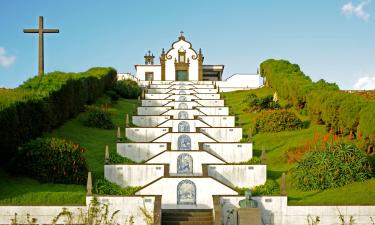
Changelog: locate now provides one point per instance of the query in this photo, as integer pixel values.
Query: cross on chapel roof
(182, 37)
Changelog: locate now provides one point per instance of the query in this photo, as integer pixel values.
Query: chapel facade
(180, 63)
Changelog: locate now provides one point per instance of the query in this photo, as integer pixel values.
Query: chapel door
(182, 75)
(149, 76)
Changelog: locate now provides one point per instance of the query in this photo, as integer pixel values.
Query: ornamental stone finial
(118, 133)
(89, 184)
(283, 185)
(127, 120)
(263, 156)
(106, 155)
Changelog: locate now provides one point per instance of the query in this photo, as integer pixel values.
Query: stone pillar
(217, 210)
(162, 64)
(249, 216)
(157, 210)
(118, 133)
(166, 170)
(205, 170)
(89, 184)
(106, 154)
(263, 156)
(283, 185)
(127, 120)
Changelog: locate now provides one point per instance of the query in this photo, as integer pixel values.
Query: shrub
(52, 160)
(118, 159)
(276, 121)
(253, 161)
(371, 159)
(271, 187)
(104, 187)
(127, 89)
(332, 167)
(113, 95)
(98, 118)
(45, 102)
(256, 103)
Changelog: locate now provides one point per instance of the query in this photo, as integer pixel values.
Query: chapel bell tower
(149, 58)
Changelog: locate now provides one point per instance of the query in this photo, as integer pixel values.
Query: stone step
(187, 217)
(187, 223)
(186, 214)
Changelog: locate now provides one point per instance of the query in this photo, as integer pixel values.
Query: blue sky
(333, 40)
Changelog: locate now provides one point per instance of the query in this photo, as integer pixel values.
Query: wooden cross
(41, 32)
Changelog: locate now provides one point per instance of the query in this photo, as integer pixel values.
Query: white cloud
(365, 83)
(357, 10)
(6, 60)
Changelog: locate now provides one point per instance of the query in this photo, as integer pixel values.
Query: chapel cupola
(149, 58)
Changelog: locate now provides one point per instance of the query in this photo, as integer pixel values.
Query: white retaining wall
(196, 138)
(224, 134)
(133, 175)
(247, 176)
(149, 121)
(157, 90)
(275, 211)
(210, 102)
(155, 102)
(214, 111)
(231, 152)
(207, 91)
(167, 187)
(152, 111)
(192, 123)
(188, 97)
(190, 112)
(177, 105)
(219, 121)
(199, 158)
(156, 96)
(128, 206)
(143, 134)
(140, 151)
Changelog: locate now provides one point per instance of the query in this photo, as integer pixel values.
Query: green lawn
(23, 190)
(276, 145)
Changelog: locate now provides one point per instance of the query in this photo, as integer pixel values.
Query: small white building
(183, 63)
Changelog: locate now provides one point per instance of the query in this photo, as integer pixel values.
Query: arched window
(182, 92)
(185, 164)
(183, 127)
(183, 115)
(186, 193)
(184, 142)
(182, 98)
(182, 106)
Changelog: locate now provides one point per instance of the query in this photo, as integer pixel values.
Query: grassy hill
(276, 144)
(23, 190)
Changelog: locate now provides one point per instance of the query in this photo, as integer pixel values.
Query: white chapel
(183, 63)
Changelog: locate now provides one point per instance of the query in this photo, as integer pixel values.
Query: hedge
(325, 103)
(276, 121)
(51, 160)
(43, 103)
(127, 89)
